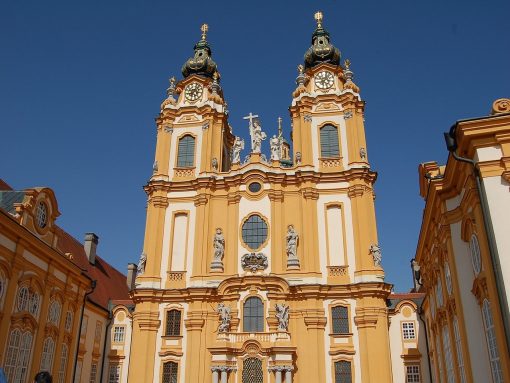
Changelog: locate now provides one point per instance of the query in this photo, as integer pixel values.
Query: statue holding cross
(256, 133)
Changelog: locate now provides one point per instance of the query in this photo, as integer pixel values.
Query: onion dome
(201, 63)
(321, 50)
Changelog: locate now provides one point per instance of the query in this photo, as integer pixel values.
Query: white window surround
(408, 331)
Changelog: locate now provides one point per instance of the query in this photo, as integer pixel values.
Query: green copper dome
(321, 50)
(201, 63)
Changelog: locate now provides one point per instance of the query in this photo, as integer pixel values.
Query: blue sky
(81, 83)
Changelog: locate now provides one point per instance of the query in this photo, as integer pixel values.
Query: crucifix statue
(256, 133)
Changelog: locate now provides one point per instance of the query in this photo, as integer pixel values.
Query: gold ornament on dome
(318, 17)
(204, 28)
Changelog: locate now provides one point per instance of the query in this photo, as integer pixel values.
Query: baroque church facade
(266, 270)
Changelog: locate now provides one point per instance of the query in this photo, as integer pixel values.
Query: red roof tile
(111, 283)
(4, 185)
(406, 295)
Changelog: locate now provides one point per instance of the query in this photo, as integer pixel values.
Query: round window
(254, 231)
(42, 215)
(254, 187)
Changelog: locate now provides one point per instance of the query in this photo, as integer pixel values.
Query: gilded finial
(318, 17)
(172, 80)
(204, 28)
(300, 68)
(215, 76)
(347, 64)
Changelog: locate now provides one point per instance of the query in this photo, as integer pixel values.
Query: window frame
(186, 159)
(330, 144)
(120, 333)
(475, 254)
(334, 370)
(170, 331)
(491, 341)
(242, 231)
(414, 373)
(261, 318)
(117, 373)
(412, 330)
(176, 371)
(333, 327)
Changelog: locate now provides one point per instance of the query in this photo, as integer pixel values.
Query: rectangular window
(173, 323)
(340, 318)
(413, 374)
(186, 152)
(118, 334)
(408, 330)
(343, 373)
(114, 374)
(329, 141)
(170, 372)
(93, 373)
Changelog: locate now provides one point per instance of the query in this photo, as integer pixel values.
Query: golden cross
(204, 28)
(318, 18)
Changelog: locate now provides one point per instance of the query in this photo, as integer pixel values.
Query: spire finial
(318, 17)
(347, 64)
(280, 126)
(204, 28)
(171, 89)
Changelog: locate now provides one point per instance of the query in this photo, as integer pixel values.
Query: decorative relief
(331, 163)
(327, 107)
(175, 275)
(184, 172)
(188, 118)
(205, 126)
(347, 114)
(168, 129)
(254, 262)
(307, 118)
(337, 271)
(501, 105)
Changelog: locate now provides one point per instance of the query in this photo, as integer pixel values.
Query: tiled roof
(9, 198)
(406, 296)
(4, 185)
(111, 283)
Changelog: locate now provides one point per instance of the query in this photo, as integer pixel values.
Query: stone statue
(298, 158)
(236, 150)
(416, 273)
(363, 153)
(141, 264)
(375, 250)
(292, 238)
(225, 317)
(257, 136)
(282, 314)
(275, 143)
(214, 163)
(219, 245)
(155, 166)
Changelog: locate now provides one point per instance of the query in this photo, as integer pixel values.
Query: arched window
(63, 364)
(69, 320)
(23, 298)
(340, 320)
(173, 323)
(252, 371)
(343, 373)
(254, 231)
(490, 335)
(253, 315)
(47, 354)
(18, 356)
(186, 152)
(448, 278)
(458, 346)
(170, 372)
(329, 141)
(476, 260)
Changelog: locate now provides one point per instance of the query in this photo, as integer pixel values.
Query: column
(288, 374)
(214, 370)
(224, 370)
(278, 374)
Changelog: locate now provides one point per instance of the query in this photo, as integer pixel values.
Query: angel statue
(282, 314)
(224, 312)
(236, 150)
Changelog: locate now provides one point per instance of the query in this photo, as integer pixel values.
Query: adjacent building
(57, 295)
(462, 262)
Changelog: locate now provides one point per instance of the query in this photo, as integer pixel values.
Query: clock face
(193, 91)
(324, 80)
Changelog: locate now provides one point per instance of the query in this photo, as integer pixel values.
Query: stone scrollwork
(254, 262)
(501, 105)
